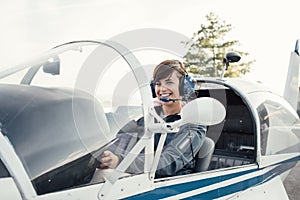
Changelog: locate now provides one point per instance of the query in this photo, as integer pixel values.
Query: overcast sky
(266, 29)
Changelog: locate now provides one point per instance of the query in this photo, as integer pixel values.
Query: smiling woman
(168, 79)
(179, 150)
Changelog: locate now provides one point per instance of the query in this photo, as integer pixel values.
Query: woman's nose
(162, 87)
(159, 88)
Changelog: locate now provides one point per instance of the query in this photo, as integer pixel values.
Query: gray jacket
(178, 153)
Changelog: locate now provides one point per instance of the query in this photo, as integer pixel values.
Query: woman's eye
(169, 82)
(157, 83)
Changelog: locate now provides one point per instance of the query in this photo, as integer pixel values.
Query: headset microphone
(169, 100)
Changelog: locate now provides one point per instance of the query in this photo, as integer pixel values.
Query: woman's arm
(180, 152)
(177, 154)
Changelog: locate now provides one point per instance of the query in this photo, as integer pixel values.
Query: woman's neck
(171, 109)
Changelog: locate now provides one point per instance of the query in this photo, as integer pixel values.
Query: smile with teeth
(165, 95)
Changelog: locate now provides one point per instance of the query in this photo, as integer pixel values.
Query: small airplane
(53, 129)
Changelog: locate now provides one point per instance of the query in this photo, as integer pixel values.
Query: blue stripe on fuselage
(167, 191)
(172, 190)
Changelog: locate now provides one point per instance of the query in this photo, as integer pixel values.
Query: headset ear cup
(182, 82)
(152, 89)
(188, 89)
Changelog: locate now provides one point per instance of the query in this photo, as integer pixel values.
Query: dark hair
(166, 68)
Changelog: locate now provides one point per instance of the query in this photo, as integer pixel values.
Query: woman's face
(168, 87)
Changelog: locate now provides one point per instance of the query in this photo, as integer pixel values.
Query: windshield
(278, 130)
(66, 105)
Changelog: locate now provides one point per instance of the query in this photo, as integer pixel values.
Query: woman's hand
(109, 160)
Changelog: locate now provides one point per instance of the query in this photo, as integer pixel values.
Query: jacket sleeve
(180, 151)
(177, 154)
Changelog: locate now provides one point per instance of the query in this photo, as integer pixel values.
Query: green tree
(207, 49)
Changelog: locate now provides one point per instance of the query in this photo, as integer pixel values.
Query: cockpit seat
(204, 155)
